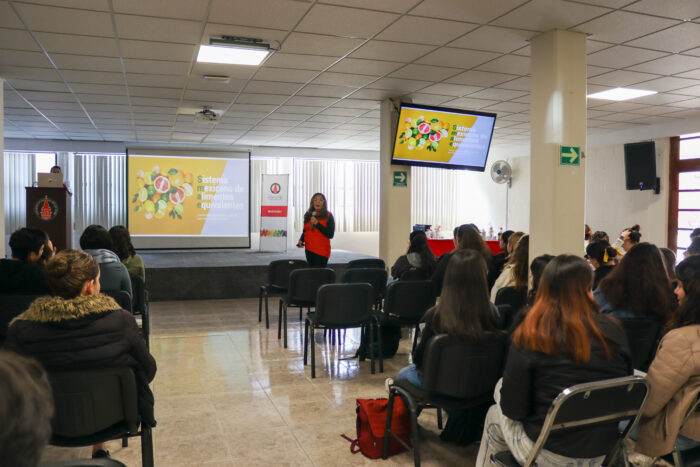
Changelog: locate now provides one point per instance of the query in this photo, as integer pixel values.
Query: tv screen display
(640, 165)
(441, 137)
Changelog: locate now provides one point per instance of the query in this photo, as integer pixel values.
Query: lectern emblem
(46, 209)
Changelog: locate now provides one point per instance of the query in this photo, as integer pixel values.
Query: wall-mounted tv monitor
(640, 165)
(441, 137)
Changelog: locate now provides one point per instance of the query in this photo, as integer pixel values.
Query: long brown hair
(470, 239)
(68, 271)
(688, 273)
(319, 215)
(464, 309)
(640, 283)
(561, 320)
(519, 261)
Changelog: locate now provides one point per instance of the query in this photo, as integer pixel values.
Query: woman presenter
(319, 228)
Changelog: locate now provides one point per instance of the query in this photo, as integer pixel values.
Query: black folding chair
(375, 277)
(122, 297)
(95, 406)
(367, 263)
(303, 286)
(277, 282)
(102, 462)
(513, 297)
(415, 274)
(140, 305)
(12, 306)
(457, 374)
(599, 404)
(342, 306)
(405, 305)
(643, 336)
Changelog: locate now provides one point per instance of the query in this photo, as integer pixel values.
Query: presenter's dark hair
(25, 241)
(95, 237)
(319, 215)
(121, 242)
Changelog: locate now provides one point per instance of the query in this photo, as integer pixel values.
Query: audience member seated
(464, 309)
(418, 257)
(23, 274)
(26, 408)
(627, 239)
(674, 374)
(602, 256)
(694, 248)
(536, 269)
(515, 271)
(563, 341)
(500, 259)
(468, 238)
(694, 234)
(96, 241)
(79, 328)
(638, 287)
(122, 246)
(587, 233)
(670, 262)
(600, 235)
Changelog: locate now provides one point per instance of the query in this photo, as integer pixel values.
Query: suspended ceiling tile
(324, 90)
(397, 51)
(425, 72)
(498, 94)
(622, 57)
(134, 65)
(272, 87)
(399, 85)
(23, 58)
(8, 18)
(661, 99)
(518, 84)
(266, 34)
(623, 26)
(158, 29)
(455, 57)
(355, 103)
(155, 80)
(450, 89)
(508, 64)
(470, 103)
(312, 101)
(544, 15)
(341, 21)
(481, 78)
(299, 61)
(275, 14)
(507, 107)
(690, 91)
(272, 99)
(42, 18)
(678, 9)
(676, 39)
(84, 62)
(32, 85)
(495, 39)
(668, 83)
(143, 91)
(78, 44)
(288, 75)
(365, 66)
(17, 39)
(378, 94)
(475, 12)
(617, 106)
(621, 78)
(28, 73)
(184, 9)
(669, 65)
(157, 50)
(421, 30)
(596, 70)
(344, 79)
(317, 44)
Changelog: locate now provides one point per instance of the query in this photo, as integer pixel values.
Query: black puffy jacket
(532, 380)
(89, 331)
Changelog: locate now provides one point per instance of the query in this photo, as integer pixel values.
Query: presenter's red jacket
(318, 239)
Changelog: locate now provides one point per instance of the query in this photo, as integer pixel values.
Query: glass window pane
(690, 148)
(689, 181)
(688, 219)
(689, 200)
(683, 238)
(44, 162)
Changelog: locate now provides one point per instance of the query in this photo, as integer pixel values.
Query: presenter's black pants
(316, 261)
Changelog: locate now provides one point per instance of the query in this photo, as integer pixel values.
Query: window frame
(677, 166)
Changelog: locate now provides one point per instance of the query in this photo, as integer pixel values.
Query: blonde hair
(69, 270)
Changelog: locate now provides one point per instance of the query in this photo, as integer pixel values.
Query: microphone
(313, 214)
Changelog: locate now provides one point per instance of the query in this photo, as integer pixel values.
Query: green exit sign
(400, 178)
(569, 155)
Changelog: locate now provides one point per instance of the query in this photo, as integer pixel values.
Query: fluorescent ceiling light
(621, 94)
(231, 55)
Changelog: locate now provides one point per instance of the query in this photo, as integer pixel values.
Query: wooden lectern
(49, 209)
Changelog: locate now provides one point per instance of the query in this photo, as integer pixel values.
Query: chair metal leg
(146, 447)
(125, 441)
(260, 295)
(415, 338)
(439, 418)
(267, 313)
(279, 321)
(414, 435)
(313, 350)
(284, 313)
(306, 341)
(371, 346)
(379, 346)
(387, 429)
(301, 309)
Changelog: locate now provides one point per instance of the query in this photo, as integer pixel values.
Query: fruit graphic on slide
(188, 189)
(177, 197)
(424, 128)
(162, 184)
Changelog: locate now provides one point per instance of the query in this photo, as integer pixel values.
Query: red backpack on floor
(371, 423)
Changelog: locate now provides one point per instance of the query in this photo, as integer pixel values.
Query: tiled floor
(227, 393)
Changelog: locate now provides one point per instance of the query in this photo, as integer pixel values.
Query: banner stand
(273, 212)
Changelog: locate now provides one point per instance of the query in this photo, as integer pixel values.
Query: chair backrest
(278, 271)
(415, 274)
(367, 263)
(344, 304)
(89, 401)
(138, 288)
(601, 404)
(462, 369)
(304, 283)
(511, 296)
(10, 307)
(409, 300)
(100, 462)
(122, 297)
(643, 337)
(376, 277)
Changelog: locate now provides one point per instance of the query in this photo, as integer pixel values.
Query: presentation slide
(189, 200)
(457, 139)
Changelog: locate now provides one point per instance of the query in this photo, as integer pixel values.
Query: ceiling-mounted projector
(206, 115)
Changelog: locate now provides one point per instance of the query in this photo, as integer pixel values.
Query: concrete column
(2, 169)
(395, 202)
(558, 118)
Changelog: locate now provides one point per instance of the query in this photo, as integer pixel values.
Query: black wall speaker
(640, 166)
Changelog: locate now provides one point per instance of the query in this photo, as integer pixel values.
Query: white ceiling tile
(450, 89)
(78, 45)
(103, 99)
(365, 67)
(498, 94)
(694, 74)
(324, 90)
(134, 65)
(396, 51)
(495, 39)
(508, 64)
(344, 79)
(158, 29)
(84, 62)
(694, 52)
(678, 9)
(28, 73)
(299, 61)
(339, 111)
(304, 109)
(277, 115)
(544, 15)
(470, 103)
(622, 56)
(274, 14)
(689, 113)
(481, 78)
(507, 107)
(596, 70)
(17, 39)
(144, 91)
(212, 96)
(429, 99)
(329, 118)
(669, 65)
(475, 12)
(155, 80)
(272, 87)
(93, 77)
(676, 39)
(399, 85)
(519, 84)
(425, 72)
(377, 94)
(351, 103)
(421, 30)
(22, 58)
(657, 110)
(66, 20)
(661, 99)
(272, 99)
(288, 75)
(31, 85)
(157, 50)
(667, 83)
(623, 26)
(690, 91)
(455, 57)
(594, 46)
(621, 78)
(154, 101)
(185, 9)
(317, 44)
(313, 101)
(606, 106)
(341, 21)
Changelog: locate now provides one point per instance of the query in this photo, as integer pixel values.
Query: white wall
(611, 207)
(519, 195)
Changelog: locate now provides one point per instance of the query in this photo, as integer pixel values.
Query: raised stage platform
(218, 273)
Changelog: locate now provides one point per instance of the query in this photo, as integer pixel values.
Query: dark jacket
(89, 331)
(22, 278)
(411, 261)
(441, 268)
(600, 274)
(499, 261)
(532, 380)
